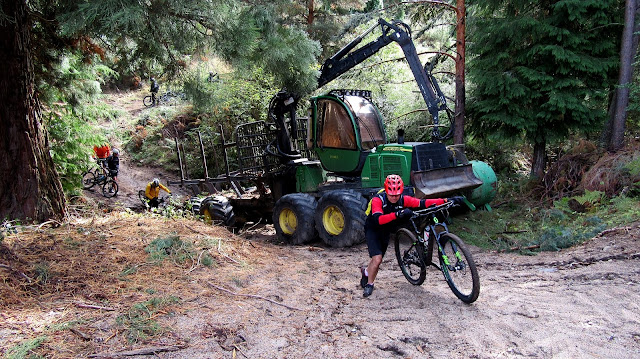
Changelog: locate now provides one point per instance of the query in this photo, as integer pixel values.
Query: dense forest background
(548, 88)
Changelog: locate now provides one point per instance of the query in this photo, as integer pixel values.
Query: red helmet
(393, 185)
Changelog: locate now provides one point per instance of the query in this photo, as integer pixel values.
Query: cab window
(369, 123)
(335, 129)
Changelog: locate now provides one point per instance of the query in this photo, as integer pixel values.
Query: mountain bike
(145, 201)
(167, 98)
(414, 247)
(101, 177)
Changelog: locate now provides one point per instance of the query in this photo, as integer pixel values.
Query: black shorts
(378, 236)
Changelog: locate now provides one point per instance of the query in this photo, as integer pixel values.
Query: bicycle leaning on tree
(414, 247)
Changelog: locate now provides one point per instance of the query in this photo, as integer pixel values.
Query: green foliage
(244, 35)
(177, 250)
(71, 114)
(518, 226)
(25, 349)
(42, 272)
(254, 37)
(147, 144)
(237, 97)
(72, 140)
(139, 324)
(161, 248)
(542, 69)
(633, 167)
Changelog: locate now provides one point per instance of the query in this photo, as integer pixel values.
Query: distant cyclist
(113, 164)
(153, 191)
(154, 90)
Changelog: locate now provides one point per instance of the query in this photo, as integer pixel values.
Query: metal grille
(251, 141)
(375, 168)
(391, 165)
(431, 155)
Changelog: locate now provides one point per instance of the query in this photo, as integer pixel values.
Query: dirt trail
(575, 303)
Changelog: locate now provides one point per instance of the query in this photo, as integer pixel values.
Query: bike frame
(429, 235)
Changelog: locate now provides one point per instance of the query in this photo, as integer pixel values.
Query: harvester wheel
(217, 208)
(293, 218)
(340, 217)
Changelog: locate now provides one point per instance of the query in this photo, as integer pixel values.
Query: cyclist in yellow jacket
(153, 190)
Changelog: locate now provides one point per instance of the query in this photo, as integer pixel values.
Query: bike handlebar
(432, 209)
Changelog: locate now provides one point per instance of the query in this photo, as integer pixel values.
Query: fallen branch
(535, 246)
(143, 351)
(91, 306)
(2, 265)
(55, 224)
(239, 351)
(612, 230)
(251, 296)
(80, 334)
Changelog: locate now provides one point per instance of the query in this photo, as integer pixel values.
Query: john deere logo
(400, 149)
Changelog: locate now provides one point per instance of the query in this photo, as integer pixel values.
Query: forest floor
(114, 282)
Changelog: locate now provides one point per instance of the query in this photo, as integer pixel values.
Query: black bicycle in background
(101, 177)
(429, 234)
(168, 98)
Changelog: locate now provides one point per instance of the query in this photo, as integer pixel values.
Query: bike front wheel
(147, 101)
(410, 256)
(458, 268)
(110, 188)
(88, 180)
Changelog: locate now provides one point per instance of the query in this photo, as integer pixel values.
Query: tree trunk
(539, 160)
(615, 129)
(458, 131)
(30, 188)
(311, 14)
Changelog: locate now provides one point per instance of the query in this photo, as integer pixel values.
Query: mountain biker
(388, 209)
(153, 190)
(102, 153)
(112, 163)
(154, 90)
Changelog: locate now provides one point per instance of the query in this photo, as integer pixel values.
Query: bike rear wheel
(410, 256)
(110, 188)
(458, 268)
(147, 101)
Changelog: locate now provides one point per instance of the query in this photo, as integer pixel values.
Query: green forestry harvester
(314, 176)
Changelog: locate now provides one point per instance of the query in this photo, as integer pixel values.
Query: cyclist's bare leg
(372, 268)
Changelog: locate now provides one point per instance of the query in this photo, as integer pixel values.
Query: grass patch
(139, 323)
(515, 226)
(179, 251)
(25, 349)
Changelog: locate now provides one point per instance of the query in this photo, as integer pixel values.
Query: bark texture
(30, 188)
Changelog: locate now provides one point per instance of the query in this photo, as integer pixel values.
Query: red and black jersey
(383, 211)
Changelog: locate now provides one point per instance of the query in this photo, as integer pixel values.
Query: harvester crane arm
(398, 32)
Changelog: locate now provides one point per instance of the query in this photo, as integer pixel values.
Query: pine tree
(542, 69)
(35, 34)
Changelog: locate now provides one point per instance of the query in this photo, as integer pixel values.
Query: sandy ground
(576, 303)
(271, 300)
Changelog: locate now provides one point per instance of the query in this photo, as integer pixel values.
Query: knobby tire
(458, 268)
(410, 256)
